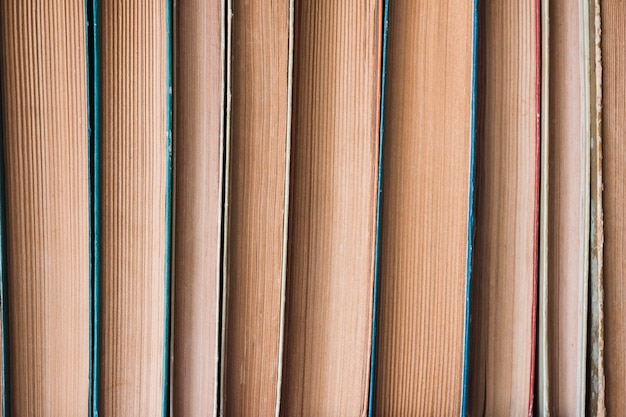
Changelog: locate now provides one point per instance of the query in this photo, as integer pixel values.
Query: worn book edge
(595, 374)
(587, 102)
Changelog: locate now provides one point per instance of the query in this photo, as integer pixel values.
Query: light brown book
(256, 212)
(425, 195)
(44, 132)
(332, 208)
(503, 330)
(613, 14)
(199, 91)
(565, 246)
(134, 151)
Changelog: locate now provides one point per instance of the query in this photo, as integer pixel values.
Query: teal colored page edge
(470, 219)
(168, 206)
(4, 310)
(93, 136)
(378, 206)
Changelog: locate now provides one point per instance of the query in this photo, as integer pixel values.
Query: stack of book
(312, 208)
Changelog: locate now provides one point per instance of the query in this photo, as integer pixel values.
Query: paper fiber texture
(46, 204)
(425, 207)
(135, 116)
(505, 252)
(256, 175)
(332, 211)
(200, 99)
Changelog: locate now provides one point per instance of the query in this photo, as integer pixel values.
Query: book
(134, 145)
(595, 387)
(501, 380)
(613, 15)
(46, 201)
(256, 213)
(425, 220)
(312, 207)
(199, 91)
(565, 243)
(332, 208)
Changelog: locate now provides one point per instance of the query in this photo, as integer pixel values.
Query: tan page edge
(283, 278)
(543, 390)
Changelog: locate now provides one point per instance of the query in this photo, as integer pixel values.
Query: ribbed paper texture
(424, 224)
(44, 110)
(332, 208)
(133, 206)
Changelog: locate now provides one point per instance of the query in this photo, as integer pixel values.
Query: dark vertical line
(4, 309)
(168, 205)
(93, 129)
(378, 207)
(470, 223)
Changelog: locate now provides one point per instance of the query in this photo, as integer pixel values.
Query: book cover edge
(168, 206)
(471, 203)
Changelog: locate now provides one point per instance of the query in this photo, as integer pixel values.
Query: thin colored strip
(378, 206)
(470, 217)
(168, 207)
(90, 174)
(4, 310)
(93, 79)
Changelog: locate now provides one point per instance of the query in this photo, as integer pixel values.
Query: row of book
(312, 207)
